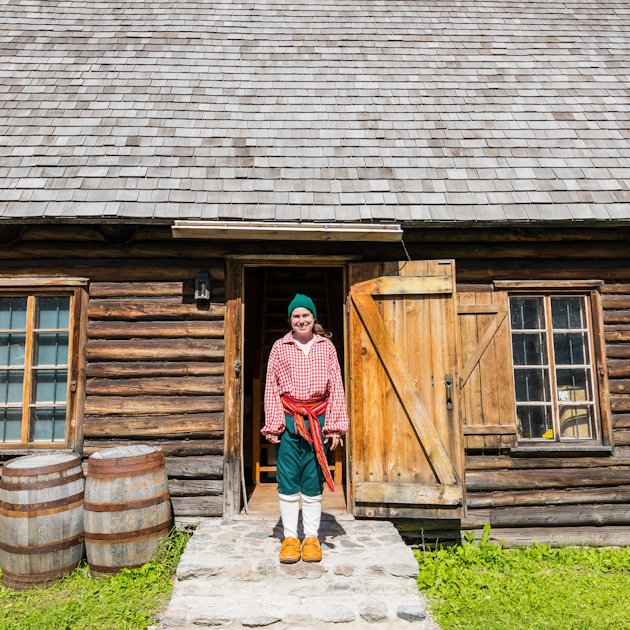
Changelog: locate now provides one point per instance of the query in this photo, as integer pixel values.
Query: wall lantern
(202, 287)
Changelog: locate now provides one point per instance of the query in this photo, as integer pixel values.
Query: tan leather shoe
(290, 550)
(311, 550)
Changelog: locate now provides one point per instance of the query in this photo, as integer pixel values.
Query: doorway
(267, 292)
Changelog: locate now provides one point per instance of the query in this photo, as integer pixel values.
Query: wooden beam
(195, 467)
(121, 369)
(151, 405)
(154, 309)
(489, 429)
(213, 329)
(164, 386)
(407, 493)
(156, 349)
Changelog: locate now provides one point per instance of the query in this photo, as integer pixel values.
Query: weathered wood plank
(195, 467)
(158, 349)
(179, 448)
(118, 369)
(618, 369)
(617, 351)
(151, 405)
(197, 506)
(620, 403)
(212, 329)
(156, 386)
(621, 421)
(616, 287)
(195, 487)
(498, 462)
(617, 317)
(617, 335)
(523, 480)
(183, 426)
(617, 494)
(138, 289)
(407, 493)
(622, 438)
(156, 308)
(619, 386)
(560, 516)
(489, 429)
(615, 301)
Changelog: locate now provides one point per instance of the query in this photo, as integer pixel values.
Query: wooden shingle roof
(414, 111)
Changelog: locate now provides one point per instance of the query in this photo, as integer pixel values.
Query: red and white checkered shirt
(304, 377)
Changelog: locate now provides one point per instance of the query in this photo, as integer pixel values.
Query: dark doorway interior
(268, 292)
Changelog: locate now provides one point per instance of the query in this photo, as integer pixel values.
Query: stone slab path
(229, 577)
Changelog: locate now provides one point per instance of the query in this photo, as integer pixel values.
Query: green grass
(131, 599)
(481, 586)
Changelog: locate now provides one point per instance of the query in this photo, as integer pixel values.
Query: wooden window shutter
(486, 375)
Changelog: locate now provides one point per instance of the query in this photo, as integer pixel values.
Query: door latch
(448, 380)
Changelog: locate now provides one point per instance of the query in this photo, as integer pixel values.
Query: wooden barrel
(127, 510)
(41, 518)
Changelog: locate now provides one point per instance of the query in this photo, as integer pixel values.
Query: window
(36, 339)
(555, 391)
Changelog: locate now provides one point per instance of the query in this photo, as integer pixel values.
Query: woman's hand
(335, 441)
(274, 439)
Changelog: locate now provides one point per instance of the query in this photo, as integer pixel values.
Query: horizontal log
(512, 235)
(195, 467)
(407, 493)
(617, 351)
(213, 329)
(618, 369)
(620, 403)
(617, 317)
(617, 334)
(139, 289)
(151, 405)
(155, 309)
(444, 513)
(530, 479)
(617, 494)
(619, 386)
(605, 536)
(188, 385)
(197, 506)
(158, 349)
(616, 287)
(621, 421)
(501, 462)
(489, 429)
(177, 448)
(127, 269)
(117, 369)
(615, 301)
(621, 438)
(195, 487)
(560, 515)
(194, 425)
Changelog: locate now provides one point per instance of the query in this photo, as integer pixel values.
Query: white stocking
(311, 514)
(289, 511)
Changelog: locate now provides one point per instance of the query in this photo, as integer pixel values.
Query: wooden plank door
(406, 455)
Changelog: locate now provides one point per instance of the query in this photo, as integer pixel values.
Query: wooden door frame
(234, 337)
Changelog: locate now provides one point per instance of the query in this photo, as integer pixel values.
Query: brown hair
(318, 329)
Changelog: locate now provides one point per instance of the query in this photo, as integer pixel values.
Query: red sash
(300, 410)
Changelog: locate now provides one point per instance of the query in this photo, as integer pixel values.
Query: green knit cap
(303, 301)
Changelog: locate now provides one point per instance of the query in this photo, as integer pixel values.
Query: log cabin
(451, 185)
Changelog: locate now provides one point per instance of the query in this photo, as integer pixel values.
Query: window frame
(76, 290)
(591, 291)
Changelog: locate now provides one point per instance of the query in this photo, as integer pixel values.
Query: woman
(305, 415)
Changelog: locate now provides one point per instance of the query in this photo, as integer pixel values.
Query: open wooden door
(406, 457)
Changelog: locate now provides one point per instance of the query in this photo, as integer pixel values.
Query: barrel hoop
(121, 471)
(125, 536)
(101, 569)
(38, 577)
(38, 485)
(7, 471)
(31, 550)
(125, 505)
(96, 465)
(16, 510)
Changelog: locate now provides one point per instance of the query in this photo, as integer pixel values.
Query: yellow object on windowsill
(548, 434)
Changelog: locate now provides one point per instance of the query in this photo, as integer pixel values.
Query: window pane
(53, 312)
(12, 349)
(570, 348)
(574, 385)
(50, 386)
(11, 425)
(51, 349)
(567, 312)
(13, 313)
(576, 422)
(535, 422)
(48, 425)
(529, 349)
(531, 385)
(11, 386)
(526, 313)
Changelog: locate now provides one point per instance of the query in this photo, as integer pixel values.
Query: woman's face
(302, 321)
